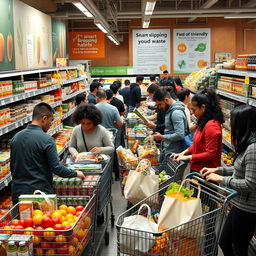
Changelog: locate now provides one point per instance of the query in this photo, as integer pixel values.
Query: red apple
(79, 208)
(46, 222)
(55, 221)
(28, 222)
(21, 222)
(39, 228)
(63, 249)
(15, 222)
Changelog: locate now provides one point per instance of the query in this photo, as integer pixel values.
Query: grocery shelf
(63, 149)
(67, 97)
(56, 104)
(237, 72)
(232, 96)
(5, 181)
(228, 144)
(55, 130)
(69, 113)
(70, 81)
(67, 68)
(25, 95)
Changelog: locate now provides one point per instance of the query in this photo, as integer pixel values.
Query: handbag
(138, 186)
(182, 215)
(136, 233)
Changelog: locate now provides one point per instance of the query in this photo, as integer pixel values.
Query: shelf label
(6, 183)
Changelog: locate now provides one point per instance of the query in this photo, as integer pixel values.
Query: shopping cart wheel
(106, 237)
(112, 220)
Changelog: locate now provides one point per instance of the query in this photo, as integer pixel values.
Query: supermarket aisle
(119, 205)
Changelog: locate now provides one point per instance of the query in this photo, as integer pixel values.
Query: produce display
(227, 156)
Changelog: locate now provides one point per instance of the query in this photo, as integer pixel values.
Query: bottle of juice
(11, 249)
(23, 249)
(2, 249)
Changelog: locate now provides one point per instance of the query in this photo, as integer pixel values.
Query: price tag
(247, 80)
(6, 183)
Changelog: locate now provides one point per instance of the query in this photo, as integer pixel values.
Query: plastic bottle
(23, 249)
(11, 249)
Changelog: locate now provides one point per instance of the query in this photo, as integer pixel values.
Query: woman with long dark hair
(207, 146)
(241, 221)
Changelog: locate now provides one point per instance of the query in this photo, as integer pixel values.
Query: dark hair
(101, 79)
(109, 94)
(87, 111)
(160, 94)
(80, 97)
(166, 72)
(182, 93)
(95, 80)
(94, 85)
(114, 88)
(152, 78)
(213, 110)
(139, 79)
(101, 94)
(152, 88)
(178, 81)
(42, 109)
(118, 83)
(243, 127)
(127, 82)
(171, 86)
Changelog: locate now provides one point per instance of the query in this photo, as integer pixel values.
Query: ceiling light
(150, 5)
(101, 28)
(145, 24)
(240, 16)
(209, 4)
(83, 9)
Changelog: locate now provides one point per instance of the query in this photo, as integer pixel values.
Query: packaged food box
(25, 209)
(43, 202)
(22, 238)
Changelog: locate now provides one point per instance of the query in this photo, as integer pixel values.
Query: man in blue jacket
(135, 93)
(34, 158)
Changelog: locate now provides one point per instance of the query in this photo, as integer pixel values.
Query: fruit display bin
(69, 241)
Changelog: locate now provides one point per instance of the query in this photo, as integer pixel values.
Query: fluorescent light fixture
(240, 16)
(101, 28)
(209, 4)
(150, 5)
(145, 24)
(82, 8)
(113, 39)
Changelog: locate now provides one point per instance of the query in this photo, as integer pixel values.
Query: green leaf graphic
(200, 47)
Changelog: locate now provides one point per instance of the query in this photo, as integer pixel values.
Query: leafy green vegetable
(174, 187)
(200, 47)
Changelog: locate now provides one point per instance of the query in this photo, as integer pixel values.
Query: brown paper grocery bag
(183, 215)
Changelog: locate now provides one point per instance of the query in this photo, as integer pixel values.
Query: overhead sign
(151, 51)
(86, 45)
(192, 49)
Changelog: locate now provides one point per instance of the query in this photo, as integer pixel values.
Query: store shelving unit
(228, 144)
(70, 96)
(55, 130)
(63, 149)
(69, 113)
(73, 80)
(232, 96)
(237, 73)
(4, 182)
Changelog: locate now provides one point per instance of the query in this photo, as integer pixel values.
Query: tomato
(49, 235)
(69, 216)
(55, 221)
(46, 222)
(19, 227)
(28, 232)
(39, 229)
(79, 208)
(63, 212)
(28, 222)
(45, 245)
(58, 227)
(21, 222)
(56, 214)
(63, 207)
(50, 252)
(35, 212)
(37, 219)
(63, 249)
(71, 209)
(48, 214)
(60, 239)
(78, 213)
(15, 222)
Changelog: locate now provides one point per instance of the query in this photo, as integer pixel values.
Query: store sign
(86, 45)
(151, 51)
(192, 49)
(111, 70)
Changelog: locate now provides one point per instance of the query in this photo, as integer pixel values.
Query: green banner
(111, 70)
(7, 58)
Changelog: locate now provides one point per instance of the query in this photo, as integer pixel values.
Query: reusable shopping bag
(136, 233)
(140, 183)
(177, 210)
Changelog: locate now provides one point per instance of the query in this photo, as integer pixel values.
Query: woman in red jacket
(207, 145)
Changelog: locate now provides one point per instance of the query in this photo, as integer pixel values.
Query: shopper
(102, 82)
(183, 96)
(178, 83)
(165, 77)
(170, 86)
(111, 93)
(111, 117)
(241, 222)
(153, 80)
(125, 92)
(94, 87)
(34, 158)
(135, 93)
(207, 147)
(89, 135)
(118, 95)
(176, 126)
(81, 99)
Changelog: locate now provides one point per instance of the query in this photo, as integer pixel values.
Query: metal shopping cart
(172, 242)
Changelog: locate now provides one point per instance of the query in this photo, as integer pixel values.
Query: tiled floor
(119, 205)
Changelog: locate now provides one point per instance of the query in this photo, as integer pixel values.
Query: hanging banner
(86, 45)
(151, 51)
(192, 49)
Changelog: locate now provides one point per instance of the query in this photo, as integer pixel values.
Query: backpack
(188, 139)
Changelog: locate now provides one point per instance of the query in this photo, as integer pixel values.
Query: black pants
(237, 232)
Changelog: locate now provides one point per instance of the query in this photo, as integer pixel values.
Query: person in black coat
(135, 93)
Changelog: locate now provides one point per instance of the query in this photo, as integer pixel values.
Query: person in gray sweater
(89, 135)
(241, 222)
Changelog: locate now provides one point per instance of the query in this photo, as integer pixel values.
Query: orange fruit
(69, 216)
(63, 212)
(50, 252)
(37, 219)
(28, 233)
(39, 251)
(49, 235)
(35, 212)
(56, 214)
(74, 242)
(63, 207)
(71, 250)
(36, 240)
(60, 239)
(182, 47)
(71, 209)
(65, 223)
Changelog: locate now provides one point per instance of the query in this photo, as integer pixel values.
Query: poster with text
(7, 58)
(33, 35)
(192, 49)
(58, 40)
(86, 45)
(151, 51)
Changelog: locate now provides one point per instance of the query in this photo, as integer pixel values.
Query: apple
(46, 222)
(15, 222)
(78, 213)
(79, 208)
(21, 222)
(55, 221)
(63, 249)
(28, 222)
(58, 226)
(39, 228)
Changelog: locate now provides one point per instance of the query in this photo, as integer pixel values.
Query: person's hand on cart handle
(214, 177)
(96, 150)
(206, 171)
(80, 175)
(158, 136)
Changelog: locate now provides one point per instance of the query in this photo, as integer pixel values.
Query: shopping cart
(214, 200)
(71, 241)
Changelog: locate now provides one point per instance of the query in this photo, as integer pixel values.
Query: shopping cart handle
(190, 175)
(233, 193)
